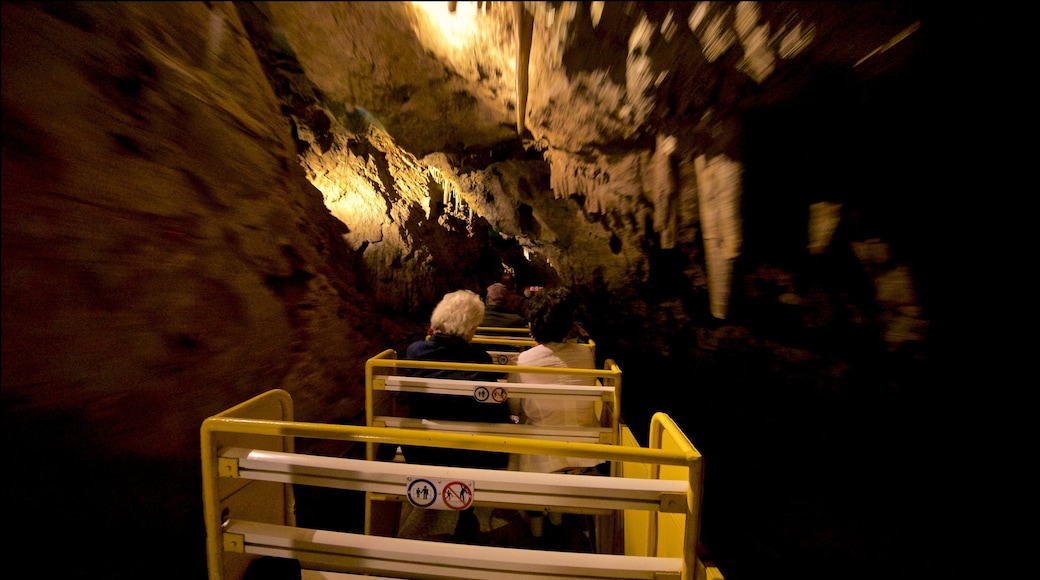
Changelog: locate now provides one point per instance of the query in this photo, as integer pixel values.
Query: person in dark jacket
(452, 327)
(504, 308)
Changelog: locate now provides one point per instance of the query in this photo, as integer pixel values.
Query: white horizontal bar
(514, 390)
(555, 433)
(491, 486)
(358, 553)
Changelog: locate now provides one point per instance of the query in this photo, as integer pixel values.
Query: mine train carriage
(646, 511)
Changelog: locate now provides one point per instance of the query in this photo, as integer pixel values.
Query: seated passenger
(551, 315)
(501, 310)
(453, 325)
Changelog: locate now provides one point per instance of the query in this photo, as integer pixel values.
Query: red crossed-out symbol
(457, 495)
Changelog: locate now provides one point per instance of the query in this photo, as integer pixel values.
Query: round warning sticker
(422, 492)
(457, 495)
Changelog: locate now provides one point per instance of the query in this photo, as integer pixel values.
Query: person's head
(551, 314)
(496, 294)
(458, 314)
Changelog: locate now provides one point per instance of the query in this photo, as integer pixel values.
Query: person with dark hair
(452, 326)
(551, 315)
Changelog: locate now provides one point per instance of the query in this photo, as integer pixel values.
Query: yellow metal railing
(673, 534)
(266, 422)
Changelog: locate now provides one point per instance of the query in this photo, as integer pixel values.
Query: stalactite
(639, 74)
(596, 11)
(665, 192)
(719, 188)
(524, 33)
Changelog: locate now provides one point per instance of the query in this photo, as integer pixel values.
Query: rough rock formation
(204, 201)
(636, 110)
(163, 257)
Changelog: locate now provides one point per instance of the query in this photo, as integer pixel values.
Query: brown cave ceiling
(601, 74)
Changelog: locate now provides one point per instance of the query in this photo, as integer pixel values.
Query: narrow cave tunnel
(205, 201)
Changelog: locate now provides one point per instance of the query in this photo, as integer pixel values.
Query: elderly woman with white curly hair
(452, 326)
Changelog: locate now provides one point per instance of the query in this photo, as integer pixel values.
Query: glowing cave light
(457, 29)
(354, 201)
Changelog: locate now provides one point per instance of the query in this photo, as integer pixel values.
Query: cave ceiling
(442, 76)
(644, 126)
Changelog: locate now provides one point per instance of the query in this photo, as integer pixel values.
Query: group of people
(550, 315)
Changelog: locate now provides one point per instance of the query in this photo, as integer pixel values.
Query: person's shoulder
(535, 353)
(419, 348)
(578, 355)
(524, 357)
(478, 353)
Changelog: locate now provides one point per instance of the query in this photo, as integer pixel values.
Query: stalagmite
(719, 188)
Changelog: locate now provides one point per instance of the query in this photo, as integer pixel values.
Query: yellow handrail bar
(661, 427)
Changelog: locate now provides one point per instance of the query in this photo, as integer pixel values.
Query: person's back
(558, 411)
(453, 324)
(503, 309)
(551, 316)
(442, 347)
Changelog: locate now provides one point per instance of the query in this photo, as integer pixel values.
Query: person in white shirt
(551, 317)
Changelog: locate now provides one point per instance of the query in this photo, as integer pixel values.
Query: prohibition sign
(422, 492)
(499, 394)
(458, 495)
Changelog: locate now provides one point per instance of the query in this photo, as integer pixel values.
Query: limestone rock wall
(164, 258)
(412, 226)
